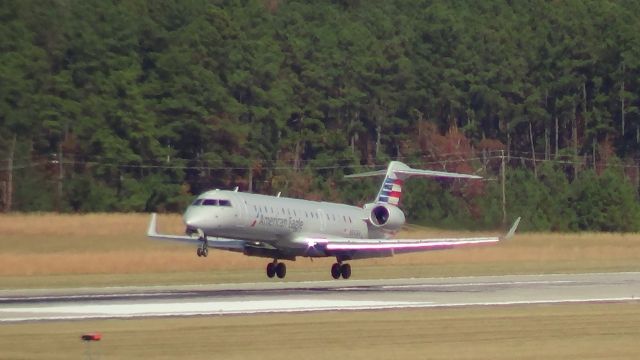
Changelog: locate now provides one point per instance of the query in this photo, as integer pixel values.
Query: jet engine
(387, 217)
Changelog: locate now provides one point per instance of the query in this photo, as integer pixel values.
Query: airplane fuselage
(271, 219)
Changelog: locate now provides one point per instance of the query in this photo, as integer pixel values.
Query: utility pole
(251, 177)
(504, 197)
(622, 102)
(9, 188)
(60, 178)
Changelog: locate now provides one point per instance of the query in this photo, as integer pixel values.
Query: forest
(137, 105)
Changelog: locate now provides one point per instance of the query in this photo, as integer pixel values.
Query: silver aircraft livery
(282, 228)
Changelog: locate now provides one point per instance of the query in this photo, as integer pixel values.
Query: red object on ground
(94, 336)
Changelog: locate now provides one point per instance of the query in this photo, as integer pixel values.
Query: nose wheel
(339, 269)
(276, 268)
(203, 250)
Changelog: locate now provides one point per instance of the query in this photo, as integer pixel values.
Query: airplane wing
(363, 248)
(218, 243)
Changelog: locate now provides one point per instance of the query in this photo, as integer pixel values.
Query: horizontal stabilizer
(417, 172)
(406, 172)
(396, 173)
(367, 174)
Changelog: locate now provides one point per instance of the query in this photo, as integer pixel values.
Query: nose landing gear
(203, 250)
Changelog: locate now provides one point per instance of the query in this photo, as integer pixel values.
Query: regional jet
(281, 228)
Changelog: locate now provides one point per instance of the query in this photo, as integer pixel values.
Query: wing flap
(406, 244)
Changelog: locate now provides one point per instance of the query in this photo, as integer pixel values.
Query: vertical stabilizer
(391, 189)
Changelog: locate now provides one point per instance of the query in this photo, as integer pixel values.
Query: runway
(335, 295)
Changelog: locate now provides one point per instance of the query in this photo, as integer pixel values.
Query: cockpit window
(225, 203)
(210, 202)
(197, 202)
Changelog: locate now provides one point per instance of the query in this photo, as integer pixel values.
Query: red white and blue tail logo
(391, 191)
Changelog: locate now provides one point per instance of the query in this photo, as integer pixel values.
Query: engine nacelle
(387, 217)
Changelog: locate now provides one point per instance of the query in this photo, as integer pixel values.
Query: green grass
(586, 331)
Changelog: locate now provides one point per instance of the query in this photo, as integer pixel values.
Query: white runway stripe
(108, 311)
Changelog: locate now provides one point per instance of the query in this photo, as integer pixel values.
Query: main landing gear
(276, 268)
(338, 269)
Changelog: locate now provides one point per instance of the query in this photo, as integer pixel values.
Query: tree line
(137, 105)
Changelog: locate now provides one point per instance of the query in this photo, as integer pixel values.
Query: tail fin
(391, 189)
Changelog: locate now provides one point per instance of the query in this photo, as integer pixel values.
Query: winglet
(512, 231)
(151, 230)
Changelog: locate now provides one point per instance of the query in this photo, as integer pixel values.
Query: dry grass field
(587, 331)
(54, 250)
(50, 250)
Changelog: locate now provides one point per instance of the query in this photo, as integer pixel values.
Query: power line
(461, 157)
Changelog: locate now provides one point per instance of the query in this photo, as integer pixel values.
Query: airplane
(281, 228)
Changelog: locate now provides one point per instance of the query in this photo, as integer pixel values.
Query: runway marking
(91, 296)
(122, 311)
(96, 311)
(541, 282)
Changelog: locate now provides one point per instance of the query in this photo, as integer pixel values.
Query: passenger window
(344, 218)
(210, 202)
(288, 212)
(225, 203)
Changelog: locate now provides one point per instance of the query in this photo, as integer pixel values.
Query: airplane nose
(195, 222)
(195, 219)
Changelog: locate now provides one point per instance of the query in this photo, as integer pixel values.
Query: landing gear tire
(271, 270)
(281, 270)
(202, 251)
(335, 271)
(345, 269)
